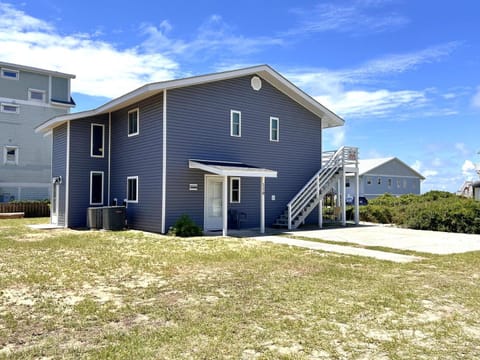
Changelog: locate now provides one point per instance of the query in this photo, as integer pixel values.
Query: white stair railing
(309, 196)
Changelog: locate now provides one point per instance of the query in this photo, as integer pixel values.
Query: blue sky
(405, 75)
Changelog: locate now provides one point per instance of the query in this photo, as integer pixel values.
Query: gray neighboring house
(28, 97)
(385, 175)
(237, 142)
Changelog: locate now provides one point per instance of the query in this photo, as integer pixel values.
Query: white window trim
(43, 92)
(239, 123)
(137, 110)
(103, 184)
(2, 108)
(91, 141)
(239, 190)
(131, 178)
(272, 118)
(9, 77)
(5, 150)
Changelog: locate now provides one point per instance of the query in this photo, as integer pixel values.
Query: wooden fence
(30, 209)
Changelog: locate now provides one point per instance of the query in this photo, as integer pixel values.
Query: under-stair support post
(320, 205)
(262, 205)
(344, 190)
(289, 217)
(357, 187)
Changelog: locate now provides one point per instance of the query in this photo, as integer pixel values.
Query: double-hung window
(133, 122)
(96, 187)
(235, 190)
(235, 123)
(132, 189)
(97, 137)
(274, 129)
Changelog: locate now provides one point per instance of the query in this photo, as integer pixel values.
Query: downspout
(67, 180)
(164, 160)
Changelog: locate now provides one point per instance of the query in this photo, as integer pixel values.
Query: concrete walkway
(433, 242)
(348, 250)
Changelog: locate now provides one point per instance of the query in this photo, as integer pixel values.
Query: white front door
(55, 202)
(213, 202)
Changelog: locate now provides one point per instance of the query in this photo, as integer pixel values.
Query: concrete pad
(433, 242)
(45, 227)
(347, 250)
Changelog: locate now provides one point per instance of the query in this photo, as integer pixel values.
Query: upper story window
(36, 95)
(10, 74)
(10, 155)
(274, 129)
(235, 123)
(10, 108)
(234, 190)
(133, 120)
(132, 189)
(97, 140)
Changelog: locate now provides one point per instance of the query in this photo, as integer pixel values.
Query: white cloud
(462, 148)
(101, 69)
(476, 98)
(427, 173)
(374, 103)
(468, 169)
(335, 137)
(354, 18)
(213, 38)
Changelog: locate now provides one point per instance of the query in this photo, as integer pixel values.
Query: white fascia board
(36, 70)
(329, 119)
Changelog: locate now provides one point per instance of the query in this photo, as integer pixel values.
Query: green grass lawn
(131, 295)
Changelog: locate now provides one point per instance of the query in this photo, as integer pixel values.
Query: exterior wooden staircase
(334, 165)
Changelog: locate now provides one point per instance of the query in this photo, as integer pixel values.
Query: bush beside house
(435, 210)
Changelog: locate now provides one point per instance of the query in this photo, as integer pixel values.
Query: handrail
(332, 161)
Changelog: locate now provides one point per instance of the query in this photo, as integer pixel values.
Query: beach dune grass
(103, 295)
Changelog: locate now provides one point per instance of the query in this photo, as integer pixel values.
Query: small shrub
(185, 227)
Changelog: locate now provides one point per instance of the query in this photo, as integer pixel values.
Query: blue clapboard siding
(141, 156)
(199, 127)
(81, 163)
(59, 167)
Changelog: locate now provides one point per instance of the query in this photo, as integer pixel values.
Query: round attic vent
(256, 83)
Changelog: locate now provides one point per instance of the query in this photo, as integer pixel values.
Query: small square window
(274, 129)
(10, 155)
(10, 74)
(10, 108)
(235, 123)
(133, 120)
(36, 95)
(234, 190)
(132, 189)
